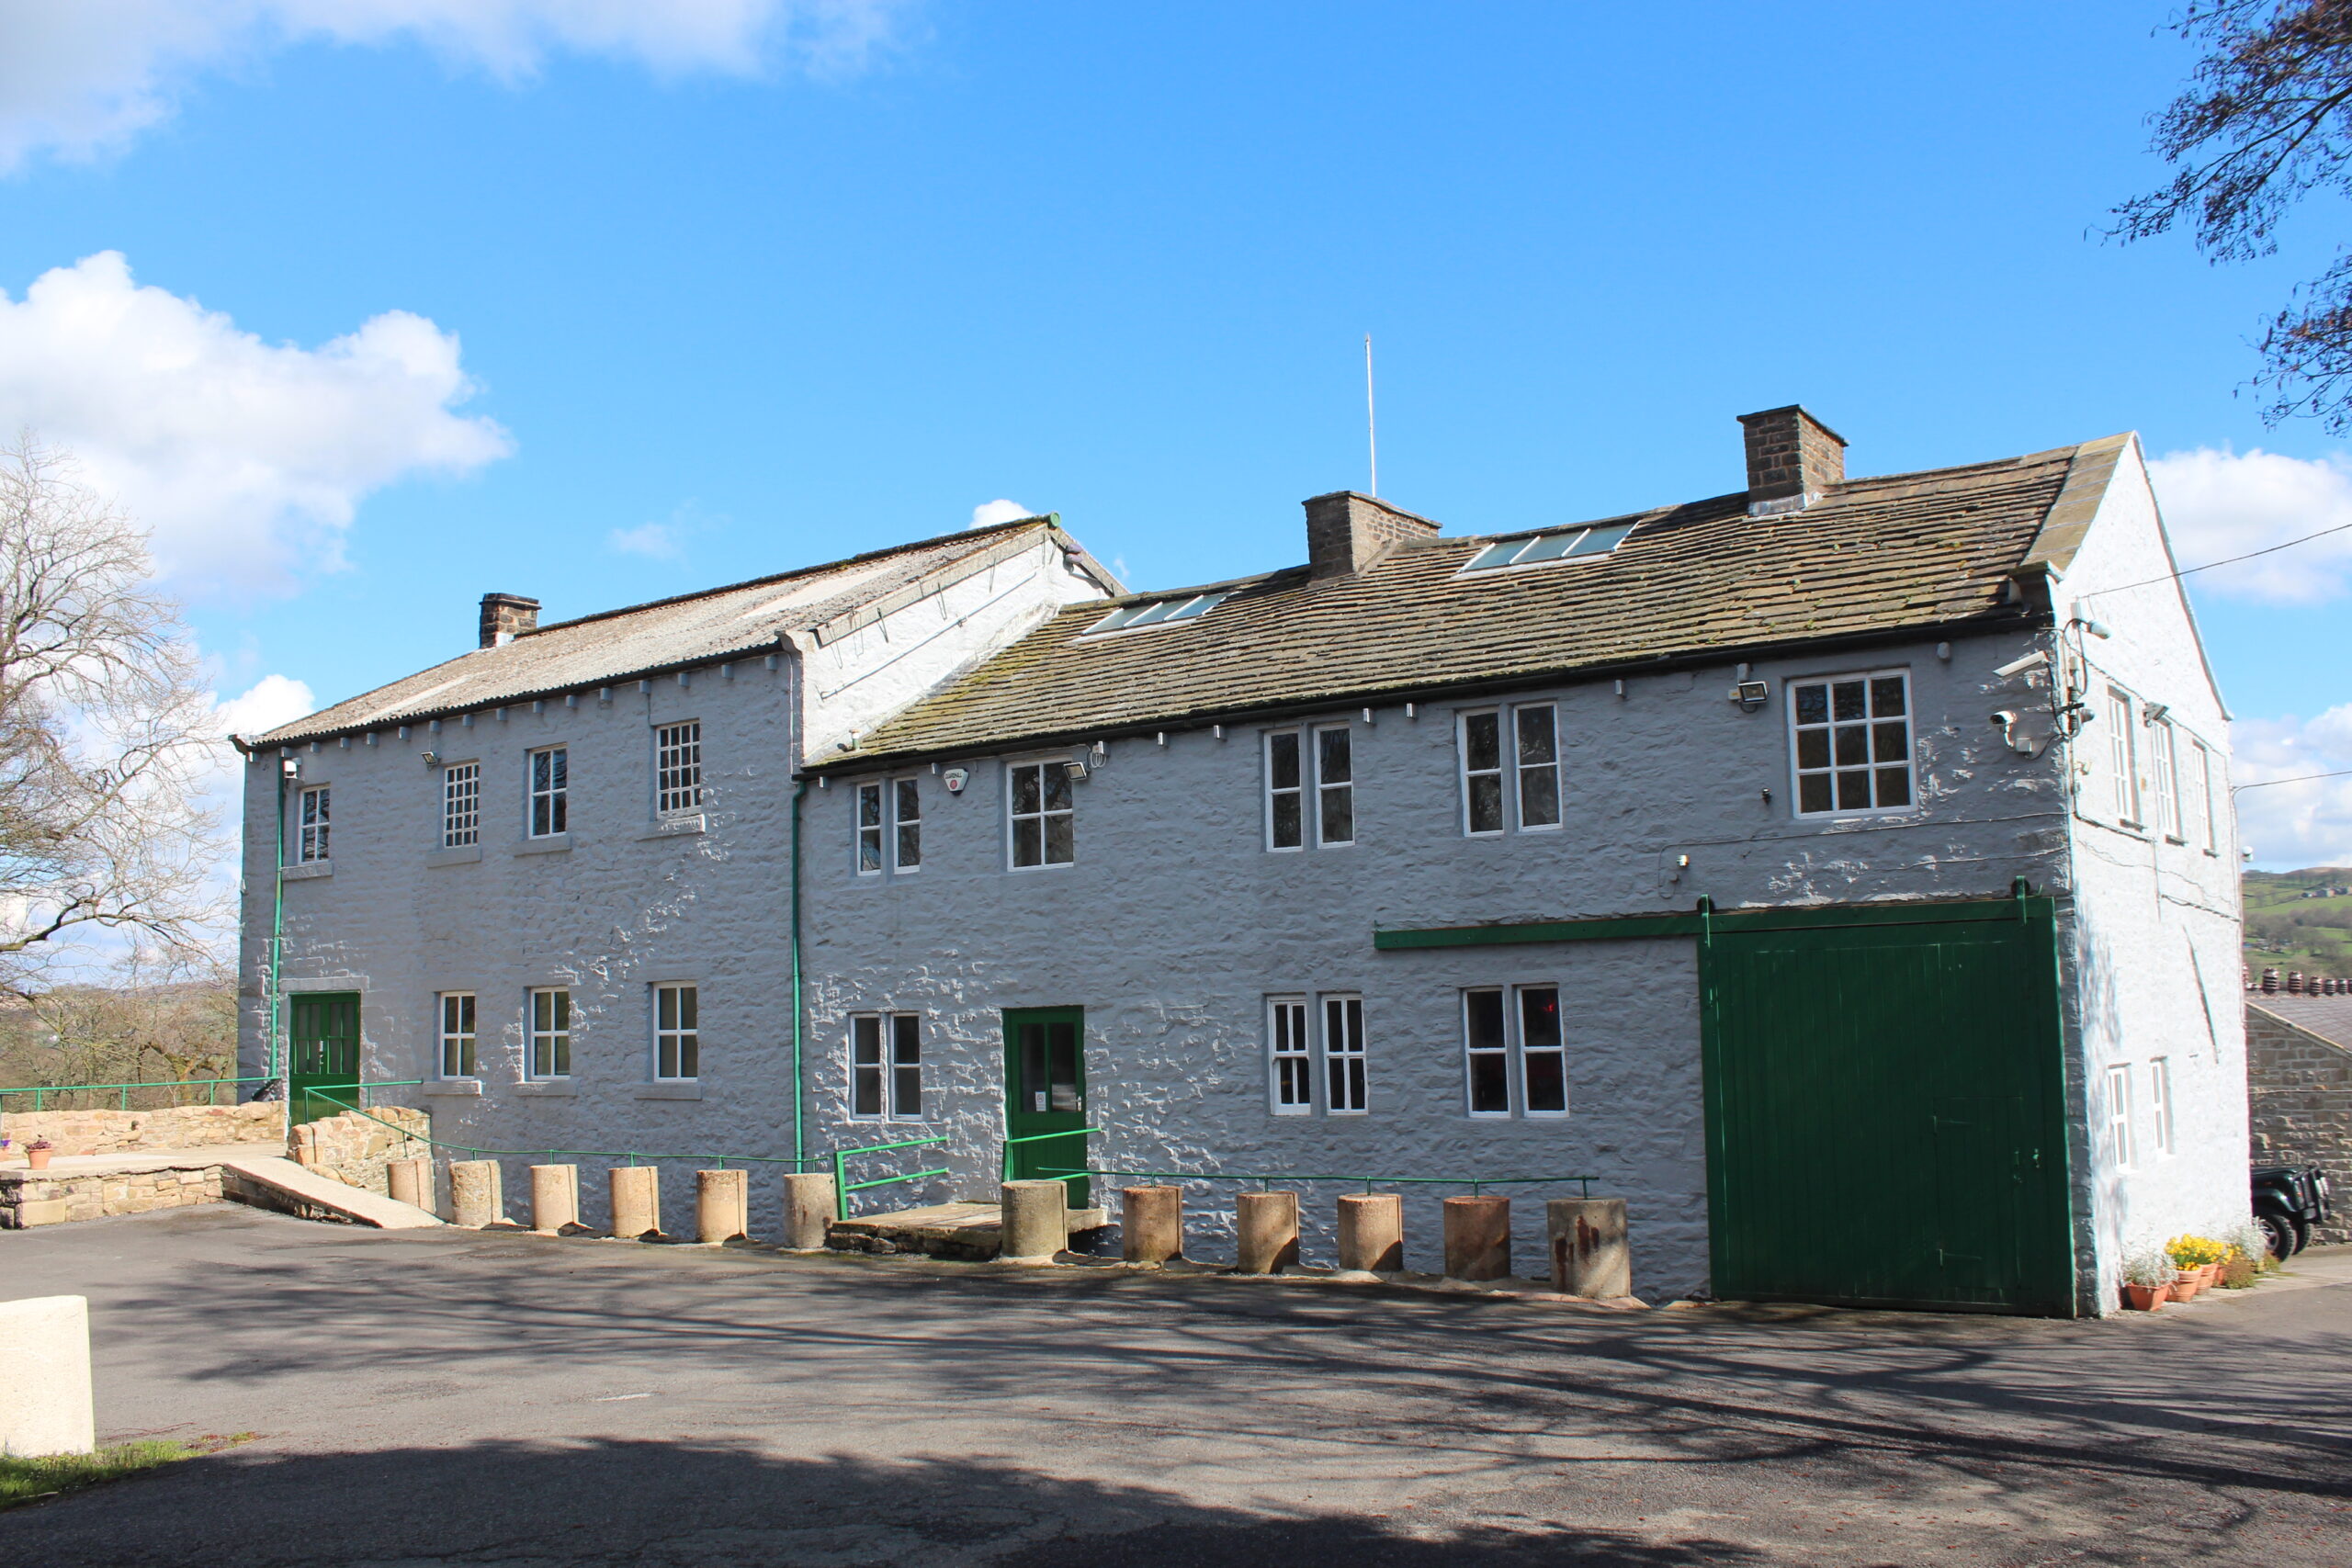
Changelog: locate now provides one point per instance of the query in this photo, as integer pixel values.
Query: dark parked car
(2288, 1200)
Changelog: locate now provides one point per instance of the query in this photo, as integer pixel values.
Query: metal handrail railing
(1005, 1149)
(631, 1155)
(1264, 1181)
(844, 1186)
(210, 1086)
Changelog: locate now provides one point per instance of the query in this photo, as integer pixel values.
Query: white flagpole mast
(1371, 426)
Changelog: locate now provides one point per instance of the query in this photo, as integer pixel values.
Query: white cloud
(657, 541)
(2219, 503)
(994, 512)
(2290, 826)
(245, 459)
(271, 701)
(84, 76)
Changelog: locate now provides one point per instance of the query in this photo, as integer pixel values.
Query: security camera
(2005, 719)
(2154, 713)
(2033, 661)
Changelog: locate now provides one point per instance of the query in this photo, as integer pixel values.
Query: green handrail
(210, 1086)
(843, 1187)
(1005, 1149)
(1584, 1183)
(630, 1156)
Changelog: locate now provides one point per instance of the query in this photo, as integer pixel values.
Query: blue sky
(702, 300)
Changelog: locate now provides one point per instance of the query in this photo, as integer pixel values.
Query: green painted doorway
(1885, 1111)
(323, 1032)
(1045, 1091)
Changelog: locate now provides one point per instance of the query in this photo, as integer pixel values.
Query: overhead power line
(2298, 778)
(2233, 561)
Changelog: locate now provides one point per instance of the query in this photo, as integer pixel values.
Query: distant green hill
(2299, 920)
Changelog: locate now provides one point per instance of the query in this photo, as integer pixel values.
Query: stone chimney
(2270, 982)
(1792, 460)
(505, 617)
(1347, 532)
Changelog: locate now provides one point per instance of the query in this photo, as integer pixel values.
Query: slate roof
(744, 619)
(2330, 1018)
(1875, 555)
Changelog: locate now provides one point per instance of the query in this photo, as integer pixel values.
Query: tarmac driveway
(447, 1397)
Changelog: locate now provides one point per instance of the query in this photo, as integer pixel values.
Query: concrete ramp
(267, 1182)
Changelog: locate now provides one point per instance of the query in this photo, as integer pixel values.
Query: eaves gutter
(2025, 616)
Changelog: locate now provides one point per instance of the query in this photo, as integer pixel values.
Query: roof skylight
(1157, 611)
(1565, 544)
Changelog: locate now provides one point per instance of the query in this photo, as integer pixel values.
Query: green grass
(29, 1480)
(2287, 929)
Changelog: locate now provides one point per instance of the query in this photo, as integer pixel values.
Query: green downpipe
(799, 1134)
(278, 926)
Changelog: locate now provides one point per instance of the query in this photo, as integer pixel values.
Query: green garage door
(1884, 1111)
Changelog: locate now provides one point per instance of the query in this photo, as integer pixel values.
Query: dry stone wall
(354, 1149)
(126, 1132)
(45, 1198)
(2300, 1096)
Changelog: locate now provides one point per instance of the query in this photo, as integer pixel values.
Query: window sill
(553, 843)
(681, 1089)
(546, 1087)
(461, 854)
(453, 1086)
(306, 871)
(672, 826)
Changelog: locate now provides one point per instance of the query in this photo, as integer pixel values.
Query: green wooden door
(1045, 1091)
(1885, 1115)
(325, 1031)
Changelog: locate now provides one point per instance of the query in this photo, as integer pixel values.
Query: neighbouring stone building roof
(1930, 550)
(2330, 1018)
(744, 619)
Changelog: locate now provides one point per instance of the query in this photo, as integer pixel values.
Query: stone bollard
(1035, 1216)
(637, 1202)
(722, 1205)
(1372, 1233)
(1589, 1255)
(554, 1197)
(1152, 1223)
(45, 1370)
(807, 1210)
(475, 1200)
(1477, 1238)
(410, 1181)
(1266, 1226)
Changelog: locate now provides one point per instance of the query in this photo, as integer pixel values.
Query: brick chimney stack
(1792, 460)
(505, 617)
(1347, 532)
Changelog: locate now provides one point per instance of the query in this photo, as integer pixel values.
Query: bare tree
(2267, 119)
(105, 732)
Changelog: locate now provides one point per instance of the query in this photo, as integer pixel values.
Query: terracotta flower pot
(2146, 1298)
(2186, 1284)
(2208, 1272)
(38, 1158)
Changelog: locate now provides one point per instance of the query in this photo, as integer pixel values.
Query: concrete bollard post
(45, 1372)
(1477, 1238)
(475, 1200)
(1267, 1232)
(554, 1197)
(1152, 1223)
(807, 1210)
(1590, 1253)
(1035, 1216)
(410, 1181)
(1372, 1233)
(722, 1204)
(637, 1202)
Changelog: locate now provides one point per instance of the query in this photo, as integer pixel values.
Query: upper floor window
(677, 768)
(456, 1034)
(550, 792)
(1293, 1051)
(2123, 758)
(552, 1033)
(1043, 813)
(2200, 772)
(460, 805)
(886, 1066)
(1335, 786)
(677, 1033)
(1510, 768)
(1851, 743)
(2164, 756)
(1516, 1054)
(890, 826)
(2118, 1115)
(1310, 777)
(310, 840)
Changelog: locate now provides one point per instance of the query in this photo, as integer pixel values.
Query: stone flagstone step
(269, 1183)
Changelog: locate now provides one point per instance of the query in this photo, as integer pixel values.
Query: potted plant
(2147, 1280)
(37, 1153)
(2198, 1258)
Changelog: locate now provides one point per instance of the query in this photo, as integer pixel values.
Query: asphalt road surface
(453, 1397)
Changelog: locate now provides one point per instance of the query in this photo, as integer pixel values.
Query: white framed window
(550, 778)
(1335, 785)
(2118, 1115)
(1535, 745)
(460, 805)
(2165, 765)
(1487, 1048)
(312, 824)
(2202, 770)
(2160, 1130)
(677, 768)
(1039, 801)
(1510, 769)
(890, 826)
(1515, 1051)
(458, 1035)
(1344, 1062)
(1286, 792)
(677, 1033)
(1543, 1051)
(906, 824)
(1290, 1063)
(2123, 758)
(885, 1066)
(1850, 744)
(1482, 772)
(551, 1032)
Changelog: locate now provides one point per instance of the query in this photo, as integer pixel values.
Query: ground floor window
(1292, 1065)
(1514, 1052)
(552, 1033)
(677, 1033)
(886, 1066)
(2118, 1115)
(1305, 1031)
(458, 1034)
